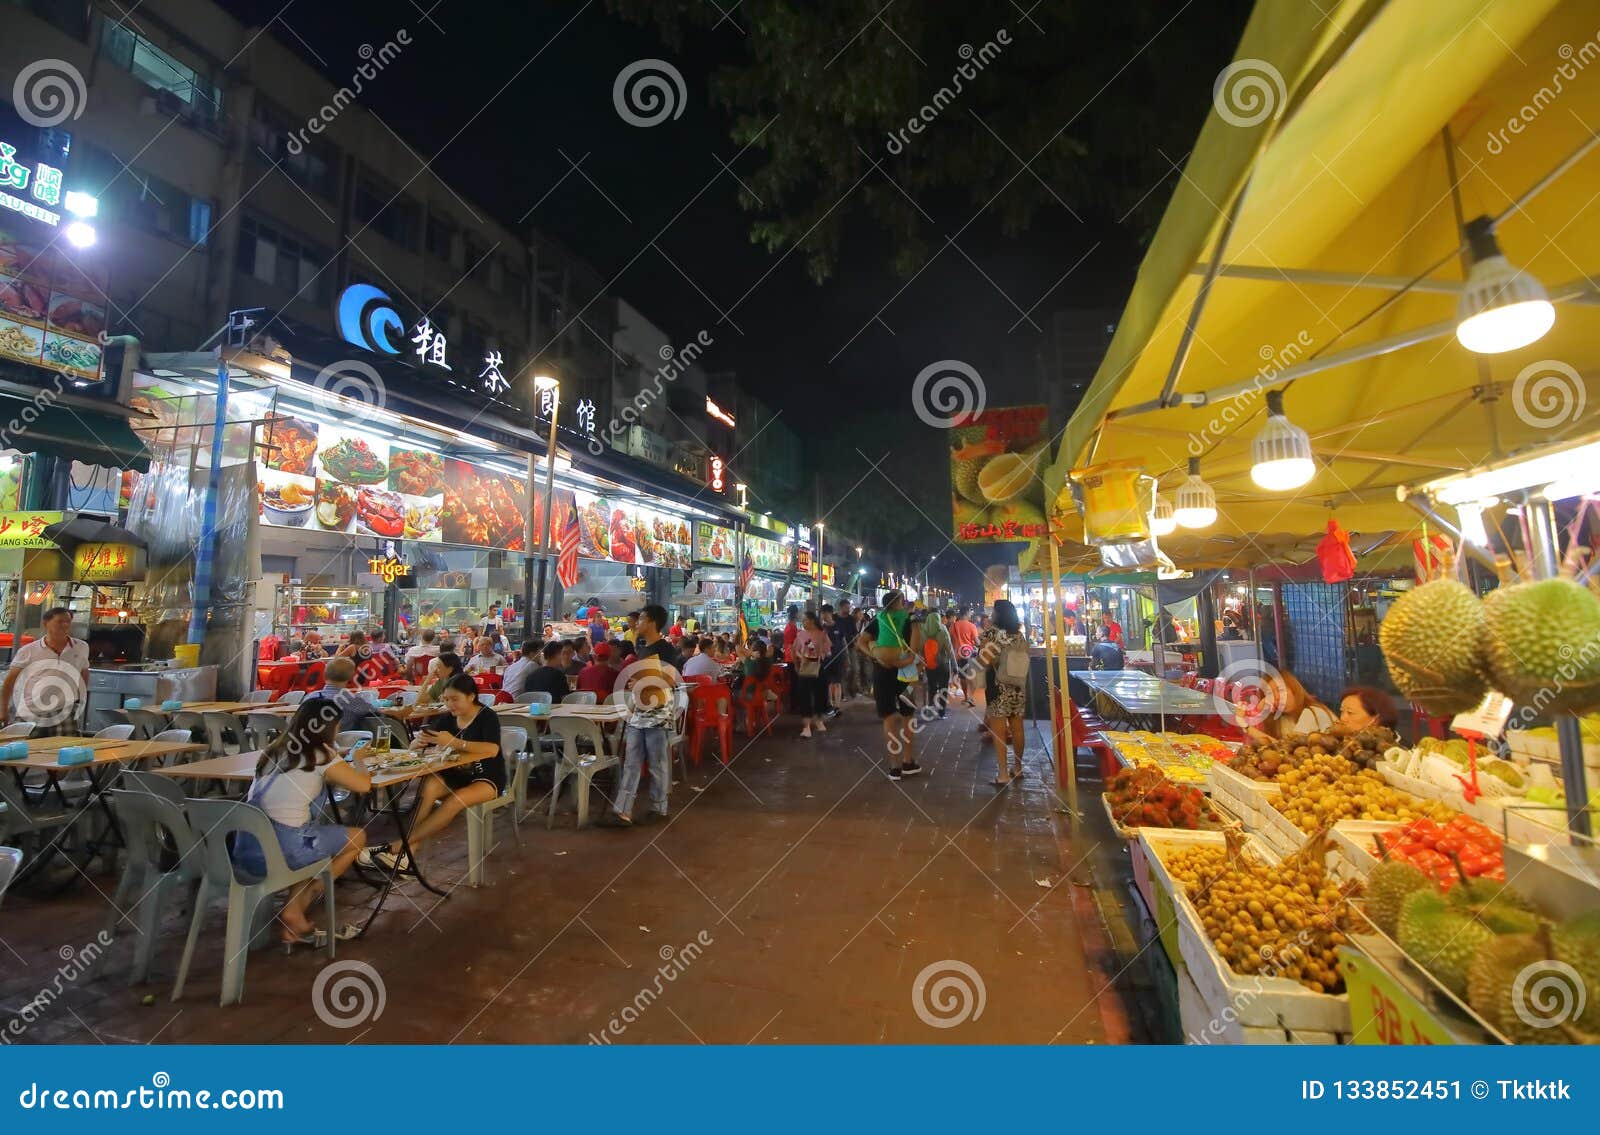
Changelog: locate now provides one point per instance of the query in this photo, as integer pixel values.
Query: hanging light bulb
(1196, 504)
(1282, 450)
(1162, 522)
(1502, 307)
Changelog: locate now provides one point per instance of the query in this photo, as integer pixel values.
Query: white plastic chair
(219, 725)
(182, 736)
(293, 697)
(146, 722)
(487, 699)
(574, 763)
(17, 729)
(530, 698)
(406, 697)
(352, 739)
(164, 859)
(580, 697)
(259, 697)
(249, 914)
(480, 817)
(10, 864)
(263, 727)
(115, 732)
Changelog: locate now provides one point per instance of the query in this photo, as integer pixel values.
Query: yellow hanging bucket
(1115, 509)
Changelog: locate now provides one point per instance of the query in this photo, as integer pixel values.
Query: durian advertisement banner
(996, 459)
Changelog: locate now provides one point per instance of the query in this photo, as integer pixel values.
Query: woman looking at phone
(465, 729)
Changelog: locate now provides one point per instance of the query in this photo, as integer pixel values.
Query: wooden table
(218, 707)
(238, 766)
(605, 713)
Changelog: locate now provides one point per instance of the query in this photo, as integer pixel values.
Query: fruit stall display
(1145, 796)
(1184, 757)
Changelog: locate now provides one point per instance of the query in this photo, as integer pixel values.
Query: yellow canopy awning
(1342, 195)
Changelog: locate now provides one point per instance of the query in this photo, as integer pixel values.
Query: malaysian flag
(747, 572)
(567, 561)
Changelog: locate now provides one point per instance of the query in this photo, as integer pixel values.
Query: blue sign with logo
(367, 318)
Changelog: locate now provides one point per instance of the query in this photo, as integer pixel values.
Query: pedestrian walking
(650, 699)
(838, 626)
(1006, 664)
(808, 654)
(891, 644)
(937, 652)
(964, 638)
(790, 630)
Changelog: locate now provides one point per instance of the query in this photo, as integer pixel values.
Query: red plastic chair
(487, 682)
(1421, 720)
(1188, 681)
(710, 712)
(701, 680)
(779, 682)
(1083, 738)
(753, 696)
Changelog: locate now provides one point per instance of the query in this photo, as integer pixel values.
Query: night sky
(813, 351)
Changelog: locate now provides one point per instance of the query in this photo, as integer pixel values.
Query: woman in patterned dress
(1005, 703)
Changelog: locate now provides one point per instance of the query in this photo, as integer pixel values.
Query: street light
(542, 384)
(816, 569)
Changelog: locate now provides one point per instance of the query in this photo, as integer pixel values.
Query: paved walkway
(794, 897)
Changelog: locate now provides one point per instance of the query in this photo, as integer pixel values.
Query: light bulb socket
(1481, 240)
(1194, 466)
(1275, 403)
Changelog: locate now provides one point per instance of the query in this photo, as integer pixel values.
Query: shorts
(302, 846)
(887, 690)
(464, 776)
(833, 669)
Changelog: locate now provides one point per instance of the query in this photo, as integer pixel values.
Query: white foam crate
(1243, 796)
(1487, 809)
(1525, 744)
(1534, 824)
(1267, 1003)
(1356, 853)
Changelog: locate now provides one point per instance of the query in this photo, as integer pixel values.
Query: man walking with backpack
(893, 642)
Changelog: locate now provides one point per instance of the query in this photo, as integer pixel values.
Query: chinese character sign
(547, 402)
(997, 460)
(585, 414)
(430, 344)
(494, 382)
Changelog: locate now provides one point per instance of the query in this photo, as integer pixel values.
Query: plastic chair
(181, 736)
(352, 739)
(780, 684)
(406, 697)
(261, 728)
(529, 698)
(1085, 738)
(488, 699)
(678, 735)
(710, 712)
(480, 817)
(146, 722)
(294, 697)
(571, 730)
(10, 865)
(580, 697)
(115, 732)
(164, 858)
(217, 822)
(219, 726)
(18, 729)
(259, 697)
(753, 696)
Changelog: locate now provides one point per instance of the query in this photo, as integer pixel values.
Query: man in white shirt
(521, 666)
(700, 663)
(424, 648)
(48, 678)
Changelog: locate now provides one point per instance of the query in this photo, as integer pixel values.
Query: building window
(441, 237)
(381, 208)
(273, 257)
(161, 72)
(131, 197)
(314, 166)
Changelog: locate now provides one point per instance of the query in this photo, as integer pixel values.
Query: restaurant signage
(717, 479)
(388, 568)
(367, 318)
(45, 181)
(52, 305)
(996, 461)
(611, 528)
(25, 529)
(713, 544)
(107, 563)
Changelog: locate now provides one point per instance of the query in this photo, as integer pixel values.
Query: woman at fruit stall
(1362, 707)
(465, 729)
(1289, 708)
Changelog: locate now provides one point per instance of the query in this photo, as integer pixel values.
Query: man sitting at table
(49, 677)
(701, 663)
(582, 652)
(1106, 654)
(485, 659)
(551, 678)
(355, 711)
(599, 677)
(513, 682)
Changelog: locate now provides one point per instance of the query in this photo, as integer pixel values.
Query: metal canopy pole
(1069, 765)
(1545, 560)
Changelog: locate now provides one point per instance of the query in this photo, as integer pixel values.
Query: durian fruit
(1505, 772)
(966, 466)
(1493, 903)
(1577, 943)
(1389, 884)
(1491, 985)
(1544, 644)
(1440, 939)
(1433, 640)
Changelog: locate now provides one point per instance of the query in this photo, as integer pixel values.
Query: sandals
(318, 938)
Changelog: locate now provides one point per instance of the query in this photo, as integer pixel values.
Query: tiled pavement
(815, 891)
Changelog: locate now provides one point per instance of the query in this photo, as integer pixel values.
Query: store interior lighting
(1569, 472)
(1502, 307)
